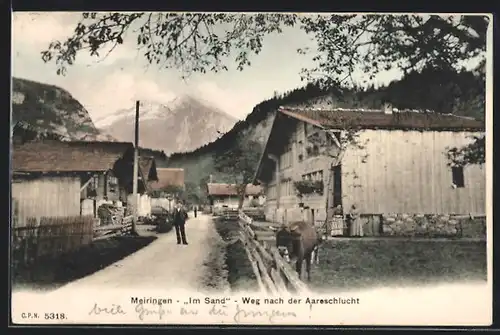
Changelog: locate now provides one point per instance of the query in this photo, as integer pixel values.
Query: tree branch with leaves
(197, 42)
(239, 163)
(371, 44)
(346, 43)
(374, 43)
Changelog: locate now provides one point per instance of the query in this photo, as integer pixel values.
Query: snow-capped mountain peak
(170, 126)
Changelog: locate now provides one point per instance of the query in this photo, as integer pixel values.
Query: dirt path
(161, 265)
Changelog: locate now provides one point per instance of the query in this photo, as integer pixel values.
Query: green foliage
(374, 43)
(346, 43)
(50, 108)
(173, 190)
(194, 194)
(473, 153)
(309, 186)
(239, 161)
(191, 42)
(446, 91)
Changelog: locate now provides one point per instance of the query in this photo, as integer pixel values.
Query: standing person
(355, 224)
(180, 217)
(195, 211)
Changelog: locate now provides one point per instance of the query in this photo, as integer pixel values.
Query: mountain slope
(183, 124)
(53, 109)
(442, 91)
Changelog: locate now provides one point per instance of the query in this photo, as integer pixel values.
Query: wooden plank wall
(49, 196)
(407, 172)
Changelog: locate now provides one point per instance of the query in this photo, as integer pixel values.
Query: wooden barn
(54, 178)
(395, 163)
(226, 195)
(168, 179)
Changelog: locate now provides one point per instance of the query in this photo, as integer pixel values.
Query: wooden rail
(256, 213)
(107, 231)
(274, 275)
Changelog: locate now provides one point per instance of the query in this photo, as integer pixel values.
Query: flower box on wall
(308, 187)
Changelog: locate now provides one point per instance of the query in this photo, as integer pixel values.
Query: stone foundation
(433, 226)
(397, 225)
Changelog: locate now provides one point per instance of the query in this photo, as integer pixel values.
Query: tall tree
(370, 43)
(239, 162)
(373, 43)
(191, 42)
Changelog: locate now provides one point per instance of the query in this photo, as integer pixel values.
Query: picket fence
(50, 237)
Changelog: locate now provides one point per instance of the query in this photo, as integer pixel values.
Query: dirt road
(161, 265)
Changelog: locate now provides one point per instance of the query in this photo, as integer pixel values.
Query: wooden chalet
(51, 178)
(397, 165)
(168, 179)
(226, 195)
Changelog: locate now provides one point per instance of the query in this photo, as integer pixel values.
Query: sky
(104, 86)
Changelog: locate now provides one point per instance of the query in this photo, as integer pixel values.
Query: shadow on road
(50, 274)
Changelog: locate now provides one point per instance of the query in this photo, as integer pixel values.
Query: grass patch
(351, 264)
(215, 279)
(53, 273)
(240, 273)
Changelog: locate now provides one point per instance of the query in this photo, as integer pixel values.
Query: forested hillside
(441, 91)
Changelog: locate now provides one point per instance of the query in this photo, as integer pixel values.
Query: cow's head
(286, 241)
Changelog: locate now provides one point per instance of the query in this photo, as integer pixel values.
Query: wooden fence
(50, 237)
(107, 231)
(274, 275)
(254, 213)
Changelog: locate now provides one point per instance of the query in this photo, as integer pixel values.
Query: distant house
(226, 195)
(168, 179)
(54, 178)
(399, 167)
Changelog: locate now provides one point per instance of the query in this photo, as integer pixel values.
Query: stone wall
(396, 225)
(433, 226)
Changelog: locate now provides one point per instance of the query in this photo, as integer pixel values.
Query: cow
(297, 242)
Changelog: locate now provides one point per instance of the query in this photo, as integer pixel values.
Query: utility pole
(136, 169)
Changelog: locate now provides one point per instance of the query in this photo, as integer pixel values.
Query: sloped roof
(168, 177)
(58, 156)
(230, 189)
(405, 119)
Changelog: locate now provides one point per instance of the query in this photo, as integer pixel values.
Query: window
(313, 176)
(95, 182)
(457, 173)
(113, 184)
